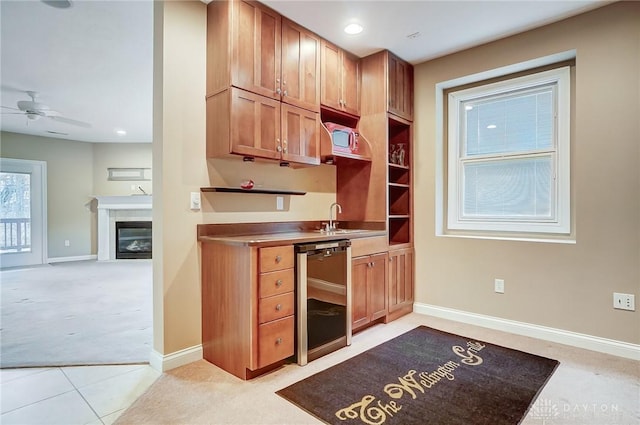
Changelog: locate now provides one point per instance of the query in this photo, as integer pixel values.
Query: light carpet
(76, 313)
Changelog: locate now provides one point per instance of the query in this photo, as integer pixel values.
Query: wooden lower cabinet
(248, 307)
(369, 289)
(276, 341)
(400, 296)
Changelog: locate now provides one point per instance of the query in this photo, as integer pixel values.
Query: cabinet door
(377, 286)
(359, 273)
(255, 125)
(255, 45)
(300, 67)
(400, 279)
(300, 135)
(350, 83)
(400, 76)
(331, 76)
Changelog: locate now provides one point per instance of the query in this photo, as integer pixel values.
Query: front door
(22, 212)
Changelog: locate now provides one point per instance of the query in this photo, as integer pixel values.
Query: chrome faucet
(331, 225)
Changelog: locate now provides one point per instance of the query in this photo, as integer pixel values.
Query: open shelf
(254, 190)
(399, 181)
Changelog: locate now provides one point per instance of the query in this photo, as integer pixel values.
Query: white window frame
(560, 222)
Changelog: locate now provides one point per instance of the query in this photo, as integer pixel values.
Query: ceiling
(92, 62)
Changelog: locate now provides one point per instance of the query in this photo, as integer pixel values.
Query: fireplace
(133, 239)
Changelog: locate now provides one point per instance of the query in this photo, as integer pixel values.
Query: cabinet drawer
(275, 283)
(275, 341)
(275, 307)
(276, 258)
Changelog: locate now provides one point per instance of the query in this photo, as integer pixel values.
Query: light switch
(195, 201)
(279, 203)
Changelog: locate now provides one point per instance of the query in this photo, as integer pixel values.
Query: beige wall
(69, 189)
(180, 167)
(557, 285)
(119, 155)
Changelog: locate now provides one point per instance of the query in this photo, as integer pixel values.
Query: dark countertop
(288, 238)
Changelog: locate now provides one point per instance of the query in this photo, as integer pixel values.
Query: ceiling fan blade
(9, 107)
(69, 121)
(13, 113)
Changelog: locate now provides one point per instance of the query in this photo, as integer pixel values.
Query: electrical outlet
(195, 201)
(499, 286)
(624, 301)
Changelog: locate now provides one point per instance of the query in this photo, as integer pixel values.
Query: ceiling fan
(35, 110)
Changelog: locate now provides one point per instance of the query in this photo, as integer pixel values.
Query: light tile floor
(94, 395)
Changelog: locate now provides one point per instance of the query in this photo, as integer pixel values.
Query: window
(508, 155)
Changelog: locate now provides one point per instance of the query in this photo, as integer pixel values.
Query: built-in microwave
(344, 139)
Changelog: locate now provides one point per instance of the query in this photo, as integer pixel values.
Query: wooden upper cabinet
(244, 123)
(255, 125)
(300, 75)
(400, 80)
(340, 79)
(251, 47)
(263, 84)
(255, 48)
(300, 135)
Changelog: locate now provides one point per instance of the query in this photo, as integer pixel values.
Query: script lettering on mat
(372, 411)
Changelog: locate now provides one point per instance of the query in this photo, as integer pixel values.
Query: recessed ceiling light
(468, 107)
(121, 132)
(492, 126)
(353, 28)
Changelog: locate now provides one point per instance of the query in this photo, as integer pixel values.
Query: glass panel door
(22, 213)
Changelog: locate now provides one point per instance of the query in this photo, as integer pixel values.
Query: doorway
(23, 212)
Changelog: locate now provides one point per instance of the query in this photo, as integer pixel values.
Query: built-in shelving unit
(399, 180)
(254, 191)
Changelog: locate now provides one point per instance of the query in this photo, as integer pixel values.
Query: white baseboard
(602, 345)
(164, 362)
(76, 258)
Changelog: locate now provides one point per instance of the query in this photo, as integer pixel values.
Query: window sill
(569, 240)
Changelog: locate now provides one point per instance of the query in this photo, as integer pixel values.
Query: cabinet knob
(279, 148)
(278, 307)
(284, 93)
(279, 283)
(278, 258)
(278, 341)
(278, 90)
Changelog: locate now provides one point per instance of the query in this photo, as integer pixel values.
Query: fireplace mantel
(118, 208)
(132, 202)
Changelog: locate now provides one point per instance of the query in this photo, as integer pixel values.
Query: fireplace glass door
(133, 239)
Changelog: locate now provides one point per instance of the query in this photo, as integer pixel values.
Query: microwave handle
(353, 141)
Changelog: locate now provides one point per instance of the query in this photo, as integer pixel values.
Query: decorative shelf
(254, 190)
(399, 216)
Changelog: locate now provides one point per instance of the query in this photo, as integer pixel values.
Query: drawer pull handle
(279, 307)
(279, 283)
(278, 341)
(278, 258)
